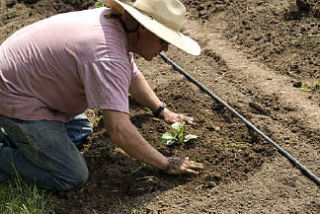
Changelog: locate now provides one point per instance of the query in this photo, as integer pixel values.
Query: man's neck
(133, 39)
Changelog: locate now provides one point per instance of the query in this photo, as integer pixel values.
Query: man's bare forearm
(142, 92)
(125, 134)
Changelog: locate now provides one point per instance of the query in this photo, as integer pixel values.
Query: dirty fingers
(178, 165)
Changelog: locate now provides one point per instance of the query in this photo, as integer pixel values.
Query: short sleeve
(106, 84)
(135, 70)
(106, 68)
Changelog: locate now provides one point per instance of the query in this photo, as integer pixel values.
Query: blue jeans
(44, 152)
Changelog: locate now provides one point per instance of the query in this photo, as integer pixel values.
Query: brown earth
(256, 55)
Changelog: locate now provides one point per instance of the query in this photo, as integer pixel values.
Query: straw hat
(164, 18)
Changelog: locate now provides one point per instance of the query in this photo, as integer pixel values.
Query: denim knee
(80, 177)
(75, 178)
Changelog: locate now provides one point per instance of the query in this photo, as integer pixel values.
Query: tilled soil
(256, 55)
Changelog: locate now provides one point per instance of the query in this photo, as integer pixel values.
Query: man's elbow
(118, 126)
(118, 134)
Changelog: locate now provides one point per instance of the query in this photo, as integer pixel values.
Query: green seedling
(307, 88)
(101, 4)
(149, 111)
(237, 144)
(175, 136)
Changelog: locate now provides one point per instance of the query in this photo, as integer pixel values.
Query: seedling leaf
(180, 135)
(170, 142)
(178, 125)
(189, 137)
(176, 135)
(168, 136)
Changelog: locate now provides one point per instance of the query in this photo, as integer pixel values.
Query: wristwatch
(157, 112)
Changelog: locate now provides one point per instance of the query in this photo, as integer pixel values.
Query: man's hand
(172, 117)
(178, 166)
(142, 92)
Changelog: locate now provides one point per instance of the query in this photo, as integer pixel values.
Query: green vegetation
(101, 4)
(236, 144)
(20, 197)
(310, 88)
(175, 136)
(136, 170)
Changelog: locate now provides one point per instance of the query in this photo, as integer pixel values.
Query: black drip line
(294, 161)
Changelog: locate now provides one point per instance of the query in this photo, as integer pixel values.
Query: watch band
(157, 112)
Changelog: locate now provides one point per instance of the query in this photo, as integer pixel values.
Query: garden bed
(243, 173)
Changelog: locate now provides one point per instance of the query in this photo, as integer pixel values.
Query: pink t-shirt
(58, 67)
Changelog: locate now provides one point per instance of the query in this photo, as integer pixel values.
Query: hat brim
(175, 38)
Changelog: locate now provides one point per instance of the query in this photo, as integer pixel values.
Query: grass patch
(20, 197)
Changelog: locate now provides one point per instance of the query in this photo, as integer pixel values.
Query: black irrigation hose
(294, 161)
